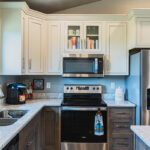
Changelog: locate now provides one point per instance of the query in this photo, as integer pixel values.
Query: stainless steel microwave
(83, 65)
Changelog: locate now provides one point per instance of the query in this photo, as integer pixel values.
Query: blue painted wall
(57, 82)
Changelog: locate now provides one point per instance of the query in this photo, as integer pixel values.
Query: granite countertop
(143, 132)
(7, 133)
(112, 103)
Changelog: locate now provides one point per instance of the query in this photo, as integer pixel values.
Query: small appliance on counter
(16, 93)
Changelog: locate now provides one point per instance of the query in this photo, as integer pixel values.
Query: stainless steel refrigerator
(138, 85)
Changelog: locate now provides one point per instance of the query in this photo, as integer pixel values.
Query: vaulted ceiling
(50, 6)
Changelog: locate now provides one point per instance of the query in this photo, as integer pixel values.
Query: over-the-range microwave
(83, 65)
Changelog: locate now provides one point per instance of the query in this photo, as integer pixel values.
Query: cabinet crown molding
(13, 4)
(139, 12)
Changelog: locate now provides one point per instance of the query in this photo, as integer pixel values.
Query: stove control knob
(97, 88)
(93, 88)
(71, 88)
(67, 88)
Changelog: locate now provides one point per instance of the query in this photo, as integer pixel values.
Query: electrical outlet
(48, 85)
(112, 85)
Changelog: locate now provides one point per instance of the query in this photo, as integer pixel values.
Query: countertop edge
(136, 132)
(112, 103)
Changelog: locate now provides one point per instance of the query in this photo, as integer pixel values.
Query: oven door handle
(83, 108)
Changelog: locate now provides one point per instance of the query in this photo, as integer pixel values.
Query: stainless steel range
(79, 107)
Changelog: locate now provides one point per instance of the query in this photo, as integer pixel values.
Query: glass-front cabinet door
(74, 36)
(93, 37)
(83, 37)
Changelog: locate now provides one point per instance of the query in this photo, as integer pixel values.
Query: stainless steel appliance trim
(145, 84)
(83, 75)
(72, 108)
(75, 89)
(83, 55)
(83, 146)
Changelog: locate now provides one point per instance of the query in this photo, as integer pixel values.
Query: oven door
(77, 125)
(83, 65)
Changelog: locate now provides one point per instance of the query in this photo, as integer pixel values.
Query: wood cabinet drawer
(120, 126)
(121, 142)
(123, 113)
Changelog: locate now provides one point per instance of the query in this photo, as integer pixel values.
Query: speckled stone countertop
(7, 133)
(143, 132)
(112, 103)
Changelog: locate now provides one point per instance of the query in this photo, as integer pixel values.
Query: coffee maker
(16, 93)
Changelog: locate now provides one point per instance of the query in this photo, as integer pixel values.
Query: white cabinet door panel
(117, 55)
(36, 47)
(143, 32)
(54, 49)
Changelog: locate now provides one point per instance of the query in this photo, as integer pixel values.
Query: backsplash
(57, 83)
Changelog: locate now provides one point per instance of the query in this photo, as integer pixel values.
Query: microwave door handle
(96, 65)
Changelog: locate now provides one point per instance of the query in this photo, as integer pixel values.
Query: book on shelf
(91, 44)
(74, 43)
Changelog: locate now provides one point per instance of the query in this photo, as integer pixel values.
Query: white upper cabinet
(11, 44)
(36, 45)
(139, 33)
(84, 37)
(0, 40)
(116, 58)
(54, 55)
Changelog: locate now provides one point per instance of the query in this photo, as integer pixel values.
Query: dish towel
(98, 125)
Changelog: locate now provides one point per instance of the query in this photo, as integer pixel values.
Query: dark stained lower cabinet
(120, 137)
(51, 128)
(30, 136)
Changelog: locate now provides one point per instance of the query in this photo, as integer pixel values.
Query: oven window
(77, 65)
(78, 126)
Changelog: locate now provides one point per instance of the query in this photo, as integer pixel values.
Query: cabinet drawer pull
(30, 64)
(122, 144)
(122, 126)
(122, 113)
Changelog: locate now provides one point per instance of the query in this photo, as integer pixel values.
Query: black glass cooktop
(83, 100)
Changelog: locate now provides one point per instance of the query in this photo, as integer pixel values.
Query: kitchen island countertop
(143, 132)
